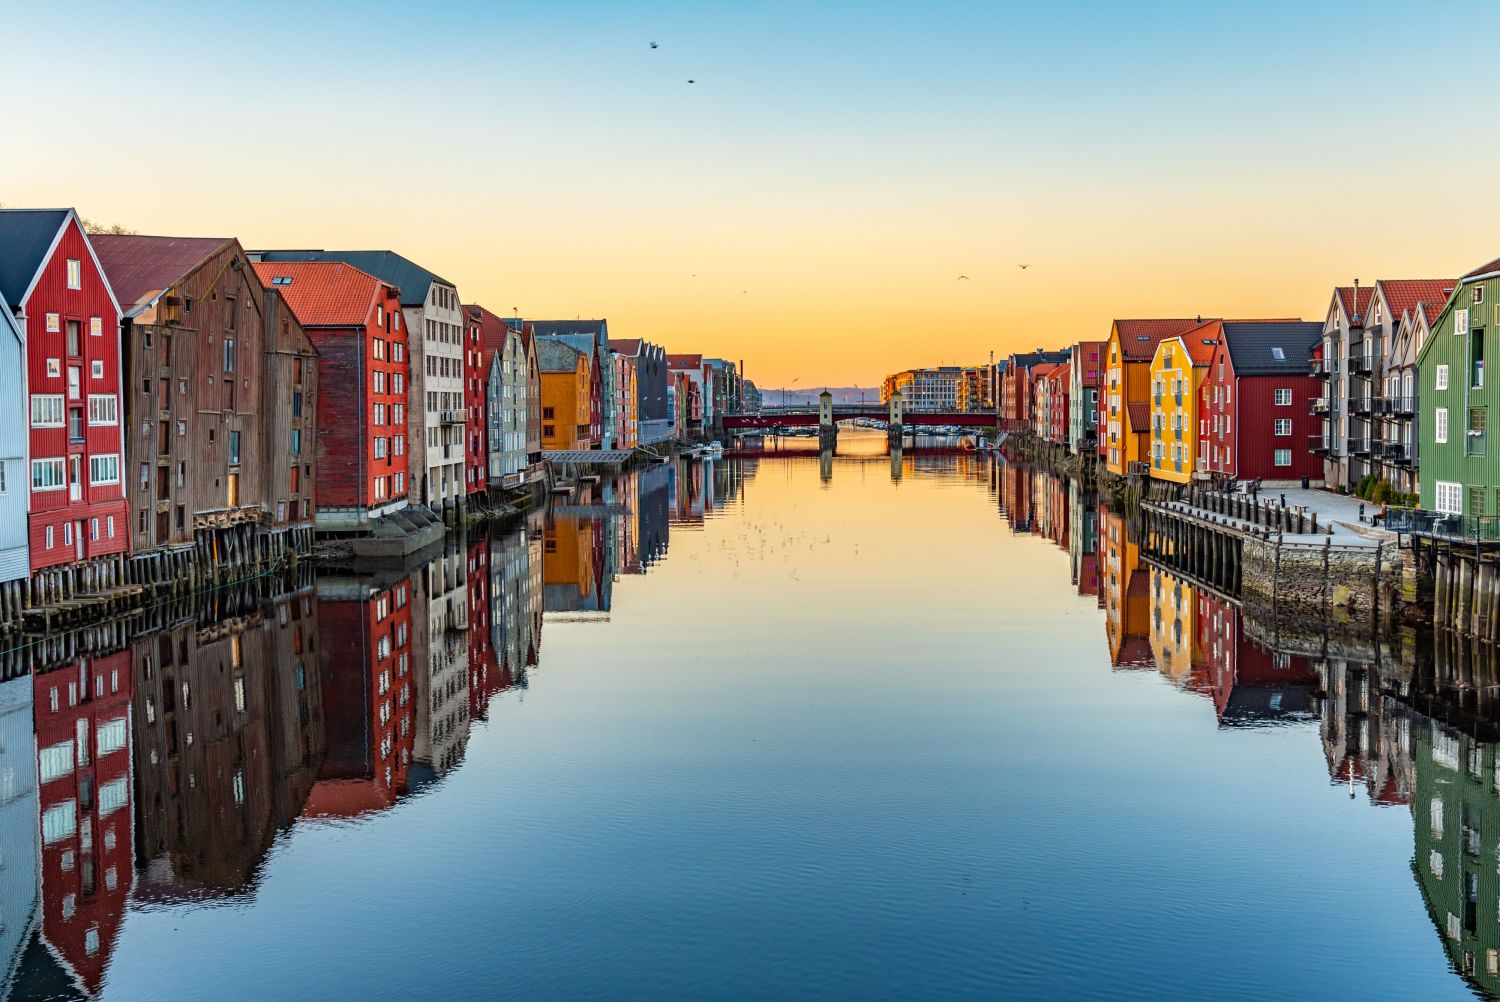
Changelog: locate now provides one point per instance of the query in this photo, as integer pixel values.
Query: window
(380, 447)
(281, 280)
(1478, 293)
(229, 354)
(104, 409)
(75, 273)
(1476, 358)
(1449, 497)
(60, 821)
(377, 349)
(379, 315)
(113, 796)
(96, 328)
(104, 469)
(56, 760)
(1283, 396)
(1283, 426)
(398, 445)
(96, 369)
(110, 736)
(1441, 379)
(1283, 457)
(296, 441)
(48, 537)
(1440, 425)
(46, 410)
(379, 381)
(234, 448)
(48, 475)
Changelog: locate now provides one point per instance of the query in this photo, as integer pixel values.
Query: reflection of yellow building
(1174, 626)
(568, 559)
(1177, 370)
(1127, 599)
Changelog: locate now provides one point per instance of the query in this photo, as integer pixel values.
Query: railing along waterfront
(1442, 525)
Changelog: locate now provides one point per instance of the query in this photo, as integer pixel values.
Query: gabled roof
(1484, 269)
(1139, 338)
(1401, 294)
(25, 237)
(1271, 347)
(584, 344)
(493, 330)
(625, 345)
(1042, 370)
(1199, 341)
(1139, 415)
(9, 322)
(685, 361)
(324, 293)
(553, 355)
(406, 275)
(141, 268)
(1031, 359)
(1354, 305)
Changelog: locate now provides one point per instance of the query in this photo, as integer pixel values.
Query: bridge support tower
(828, 430)
(896, 418)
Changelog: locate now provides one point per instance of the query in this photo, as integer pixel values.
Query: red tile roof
(684, 361)
(492, 331)
(1139, 338)
(1045, 369)
(625, 345)
(324, 293)
(1402, 294)
(1352, 309)
(1139, 415)
(141, 268)
(1201, 341)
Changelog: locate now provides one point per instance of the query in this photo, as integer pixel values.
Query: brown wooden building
(219, 387)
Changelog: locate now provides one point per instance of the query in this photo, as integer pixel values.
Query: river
(762, 727)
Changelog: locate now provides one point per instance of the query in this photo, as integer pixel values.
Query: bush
(1381, 492)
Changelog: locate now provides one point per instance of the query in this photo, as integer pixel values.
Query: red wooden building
(354, 320)
(476, 414)
(52, 279)
(1254, 416)
(82, 715)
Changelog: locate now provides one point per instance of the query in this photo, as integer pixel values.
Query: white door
(78, 540)
(75, 481)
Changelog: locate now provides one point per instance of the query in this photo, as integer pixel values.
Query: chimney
(1354, 314)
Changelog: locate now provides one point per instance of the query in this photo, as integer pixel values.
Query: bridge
(808, 417)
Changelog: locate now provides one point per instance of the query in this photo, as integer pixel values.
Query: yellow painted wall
(1173, 389)
(565, 395)
(1125, 382)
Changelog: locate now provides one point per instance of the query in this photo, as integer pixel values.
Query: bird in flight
(962, 278)
(655, 45)
(1023, 267)
(692, 81)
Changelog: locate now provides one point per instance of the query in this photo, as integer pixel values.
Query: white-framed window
(75, 273)
(380, 447)
(1283, 396)
(104, 469)
(1440, 380)
(104, 409)
(1478, 293)
(55, 761)
(96, 368)
(1440, 425)
(1283, 426)
(1283, 457)
(49, 537)
(1461, 322)
(60, 821)
(110, 736)
(1449, 497)
(96, 326)
(113, 796)
(47, 410)
(48, 475)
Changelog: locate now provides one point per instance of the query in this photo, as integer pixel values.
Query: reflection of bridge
(807, 417)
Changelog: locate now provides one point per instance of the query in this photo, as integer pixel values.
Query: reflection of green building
(1456, 817)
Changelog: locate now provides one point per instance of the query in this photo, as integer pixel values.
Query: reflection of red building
(476, 415)
(83, 761)
(1016, 497)
(1250, 684)
(367, 695)
(484, 666)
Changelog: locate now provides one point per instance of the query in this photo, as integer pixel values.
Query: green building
(1460, 473)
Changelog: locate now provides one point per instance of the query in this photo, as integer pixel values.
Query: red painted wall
(476, 456)
(56, 508)
(1246, 447)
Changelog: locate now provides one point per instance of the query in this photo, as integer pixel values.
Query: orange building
(1127, 389)
(566, 410)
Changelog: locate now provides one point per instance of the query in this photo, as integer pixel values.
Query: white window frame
(1282, 457)
(1283, 396)
(60, 821)
(55, 761)
(48, 410)
(59, 482)
(111, 736)
(75, 273)
(1440, 426)
(1282, 427)
(113, 795)
(104, 410)
(1440, 379)
(109, 463)
(1448, 497)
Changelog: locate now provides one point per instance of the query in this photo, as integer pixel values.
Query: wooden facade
(221, 385)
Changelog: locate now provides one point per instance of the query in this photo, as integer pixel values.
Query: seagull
(692, 81)
(1023, 267)
(962, 278)
(654, 45)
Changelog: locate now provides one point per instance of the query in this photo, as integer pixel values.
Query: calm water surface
(762, 728)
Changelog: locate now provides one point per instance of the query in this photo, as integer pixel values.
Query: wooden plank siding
(15, 473)
(289, 407)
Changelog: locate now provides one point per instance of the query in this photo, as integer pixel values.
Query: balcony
(1399, 406)
(1324, 367)
(1362, 405)
(1400, 453)
(1361, 446)
(451, 417)
(1361, 364)
(1317, 444)
(1318, 405)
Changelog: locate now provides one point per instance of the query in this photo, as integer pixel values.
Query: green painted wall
(1472, 461)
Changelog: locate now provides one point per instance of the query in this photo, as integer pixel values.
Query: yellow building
(1127, 388)
(1177, 369)
(565, 383)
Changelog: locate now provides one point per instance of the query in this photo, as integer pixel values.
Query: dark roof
(1485, 269)
(1252, 345)
(141, 268)
(553, 355)
(493, 330)
(557, 328)
(25, 235)
(1031, 359)
(1139, 415)
(411, 278)
(630, 346)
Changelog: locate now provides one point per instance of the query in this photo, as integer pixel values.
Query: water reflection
(155, 766)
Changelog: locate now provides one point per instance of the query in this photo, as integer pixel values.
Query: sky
(808, 203)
